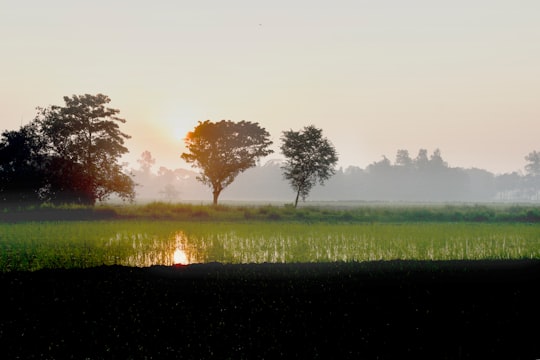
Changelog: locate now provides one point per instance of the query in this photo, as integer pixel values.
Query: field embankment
(332, 212)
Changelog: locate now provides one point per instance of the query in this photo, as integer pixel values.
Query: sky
(376, 76)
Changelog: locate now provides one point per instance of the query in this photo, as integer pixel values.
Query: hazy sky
(377, 76)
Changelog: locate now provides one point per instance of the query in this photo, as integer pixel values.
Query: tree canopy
(23, 166)
(73, 151)
(222, 150)
(310, 158)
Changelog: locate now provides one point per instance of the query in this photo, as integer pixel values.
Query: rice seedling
(81, 244)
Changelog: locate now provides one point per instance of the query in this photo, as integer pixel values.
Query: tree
(146, 162)
(310, 158)
(222, 150)
(533, 173)
(533, 167)
(403, 158)
(421, 160)
(169, 192)
(436, 161)
(23, 165)
(84, 143)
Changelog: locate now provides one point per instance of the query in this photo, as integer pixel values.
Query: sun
(179, 132)
(177, 123)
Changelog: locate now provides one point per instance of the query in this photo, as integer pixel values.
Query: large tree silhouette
(222, 150)
(72, 152)
(23, 166)
(310, 158)
(86, 144)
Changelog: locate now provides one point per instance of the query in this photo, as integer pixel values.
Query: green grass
(141, 242)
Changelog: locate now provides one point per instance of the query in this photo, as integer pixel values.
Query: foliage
(224, 149)
(23, 166)
(86, 143)
(310, 158)
(71, 151)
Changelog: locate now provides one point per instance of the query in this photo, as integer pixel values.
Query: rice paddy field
(270, 282)
(34, 245)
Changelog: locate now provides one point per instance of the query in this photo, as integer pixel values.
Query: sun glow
(180, 257)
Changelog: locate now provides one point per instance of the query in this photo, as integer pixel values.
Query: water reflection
(235, 247)
(143, 249)
(146, 250)
(180, 257)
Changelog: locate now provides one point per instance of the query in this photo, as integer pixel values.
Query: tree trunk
(296, 201)
(216, 195)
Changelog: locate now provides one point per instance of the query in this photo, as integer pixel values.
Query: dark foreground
(381, 310)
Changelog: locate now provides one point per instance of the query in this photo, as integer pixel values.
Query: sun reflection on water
(180, 257)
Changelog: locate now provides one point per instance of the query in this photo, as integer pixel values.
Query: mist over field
(427, 178)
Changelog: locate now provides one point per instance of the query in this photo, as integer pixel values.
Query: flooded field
(37, 245)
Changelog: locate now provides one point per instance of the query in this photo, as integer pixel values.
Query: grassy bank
(331, 212)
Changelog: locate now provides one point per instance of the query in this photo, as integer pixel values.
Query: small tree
(310, 158)
(224, 149)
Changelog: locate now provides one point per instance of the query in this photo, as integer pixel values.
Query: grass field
(142, 242)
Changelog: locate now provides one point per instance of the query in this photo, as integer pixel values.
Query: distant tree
(403, 158)
(166, 175)
(222, 150)
(480, 184)
(85, 144)
(436, 161)
(533, 174)
(146, 162)
(509, 186)
(310, 158)
(169, 192)
(421, 160)
(143, 176)
(533, 165)
(380, 167)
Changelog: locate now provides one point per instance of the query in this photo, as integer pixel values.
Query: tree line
(66, 154)
(71, 154)
(389, 182)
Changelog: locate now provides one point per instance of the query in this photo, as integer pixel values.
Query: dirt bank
(380, 310)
